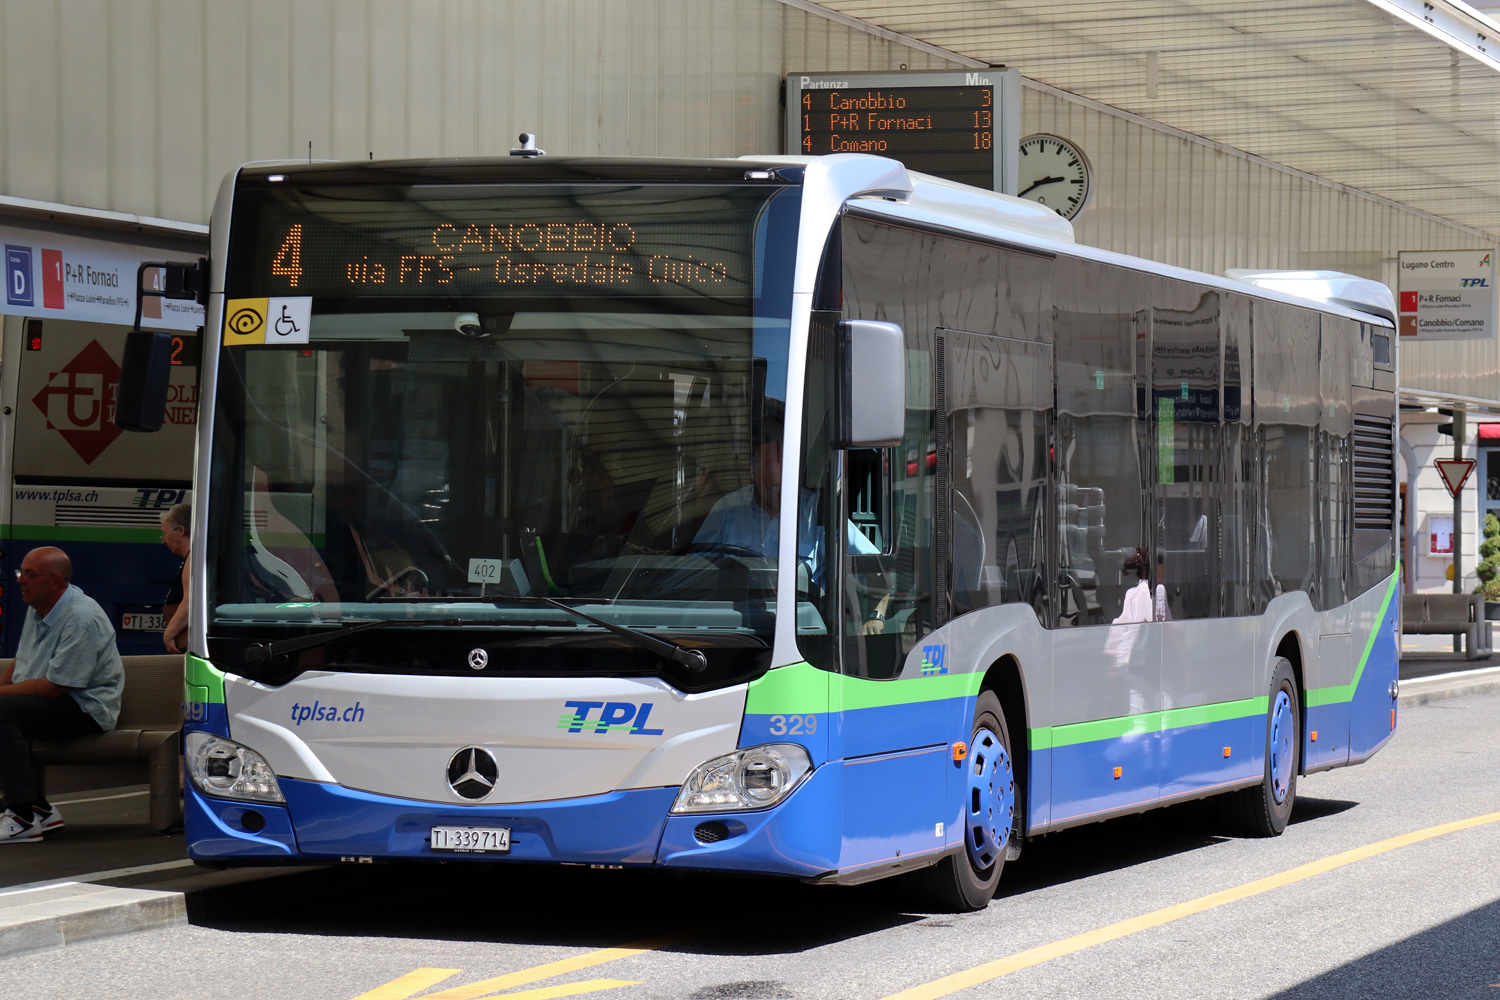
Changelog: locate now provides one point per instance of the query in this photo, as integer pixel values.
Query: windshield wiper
(693, 659)
(264, 651)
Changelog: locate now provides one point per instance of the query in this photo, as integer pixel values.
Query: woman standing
(174, 535)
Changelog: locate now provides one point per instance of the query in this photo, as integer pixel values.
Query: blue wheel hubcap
(991, 801)
(1283, 728)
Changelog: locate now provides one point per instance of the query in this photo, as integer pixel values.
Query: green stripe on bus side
(1345, 692)
(802, 689)
(73, 533)
(1048, 737)
(202, 674)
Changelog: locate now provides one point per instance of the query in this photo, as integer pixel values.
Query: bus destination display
(958, 126)
(513, 243)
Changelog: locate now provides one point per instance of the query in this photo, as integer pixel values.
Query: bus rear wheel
(966, 881)
(1263, 811)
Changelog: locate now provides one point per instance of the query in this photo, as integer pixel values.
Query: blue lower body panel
(1372, 717)
(798, 837)
(320, 821)
(327, 821)
(221, 830)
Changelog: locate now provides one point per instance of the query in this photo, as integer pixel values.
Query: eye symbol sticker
(245, 322)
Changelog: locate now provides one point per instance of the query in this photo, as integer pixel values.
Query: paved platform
(1428, 664)
(107, 829)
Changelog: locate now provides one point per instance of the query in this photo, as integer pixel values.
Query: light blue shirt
(74, 647)
(736, 519)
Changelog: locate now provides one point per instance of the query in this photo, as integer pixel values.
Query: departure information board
(963, 126)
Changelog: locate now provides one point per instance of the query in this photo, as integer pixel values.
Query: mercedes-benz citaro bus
(802, 517)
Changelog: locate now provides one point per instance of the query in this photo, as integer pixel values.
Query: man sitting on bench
(65, 683)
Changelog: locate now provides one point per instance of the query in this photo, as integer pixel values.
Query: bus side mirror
(874, 366)
(141, 400)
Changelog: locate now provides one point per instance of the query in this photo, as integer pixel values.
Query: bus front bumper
(326, 822)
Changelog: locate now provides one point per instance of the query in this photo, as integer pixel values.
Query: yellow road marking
(416, 981)
(412, 983)
(1057, 949)
(566, 990)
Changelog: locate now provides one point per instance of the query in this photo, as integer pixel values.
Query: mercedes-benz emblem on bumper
(478, 659)
(472, 772)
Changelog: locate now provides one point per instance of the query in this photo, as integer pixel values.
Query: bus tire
(966, 881)
(1263, 811)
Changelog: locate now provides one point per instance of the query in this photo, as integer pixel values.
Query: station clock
(1056, 173)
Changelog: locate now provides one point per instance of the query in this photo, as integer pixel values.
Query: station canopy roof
(1399, 98)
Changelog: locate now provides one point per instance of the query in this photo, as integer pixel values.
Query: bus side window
(868, 475)
(1103, 340)
(999, 401)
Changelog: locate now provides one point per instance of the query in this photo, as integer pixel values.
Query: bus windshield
(459, 450)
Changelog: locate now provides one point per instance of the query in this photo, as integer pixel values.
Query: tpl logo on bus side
(158, 498)
(618, 716)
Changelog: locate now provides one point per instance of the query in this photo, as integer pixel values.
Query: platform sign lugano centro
(1446, 294)
(962, 125)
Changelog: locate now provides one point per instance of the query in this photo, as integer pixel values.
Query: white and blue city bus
(776, 516)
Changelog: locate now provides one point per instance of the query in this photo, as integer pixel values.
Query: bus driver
(748, 519)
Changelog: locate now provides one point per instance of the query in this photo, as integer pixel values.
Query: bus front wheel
(1263, 811)
(966, 881)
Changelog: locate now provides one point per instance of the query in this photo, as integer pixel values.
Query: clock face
(1055, 173)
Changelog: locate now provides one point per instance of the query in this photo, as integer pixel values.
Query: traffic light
(1448, 427)
(33, 335)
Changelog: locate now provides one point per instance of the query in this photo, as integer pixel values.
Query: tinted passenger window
(998, 396)
(1185, 410)
(1102, 314)
(1286, 414)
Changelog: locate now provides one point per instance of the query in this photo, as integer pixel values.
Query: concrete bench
(1449, 614)
(147, 732)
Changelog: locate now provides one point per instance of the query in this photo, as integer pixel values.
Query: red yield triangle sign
(1455, 472)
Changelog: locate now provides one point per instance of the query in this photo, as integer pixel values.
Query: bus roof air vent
(1333, 287)
(945, 197)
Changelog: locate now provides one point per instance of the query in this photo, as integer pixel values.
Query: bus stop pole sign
(1455, 472)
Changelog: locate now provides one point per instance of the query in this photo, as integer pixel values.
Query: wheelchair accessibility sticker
(267, 321)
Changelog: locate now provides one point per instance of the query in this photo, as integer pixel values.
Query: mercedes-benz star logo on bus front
(472, 772)
(478, 659)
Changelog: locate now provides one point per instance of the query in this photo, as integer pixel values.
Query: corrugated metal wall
(1190, 203)
(143, 105)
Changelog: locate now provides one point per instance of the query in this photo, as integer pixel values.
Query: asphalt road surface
(1385, 885)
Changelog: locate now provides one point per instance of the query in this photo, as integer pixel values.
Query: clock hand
(1044, 180)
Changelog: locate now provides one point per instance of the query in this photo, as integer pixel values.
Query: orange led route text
(599, 253)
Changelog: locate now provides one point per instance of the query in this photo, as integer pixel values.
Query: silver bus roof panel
(1330, 287)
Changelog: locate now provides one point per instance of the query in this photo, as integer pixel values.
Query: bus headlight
(746, 779)
(225, 769)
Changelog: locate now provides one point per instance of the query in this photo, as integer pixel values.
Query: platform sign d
(1455, 472)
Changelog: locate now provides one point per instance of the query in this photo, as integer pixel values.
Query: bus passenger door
(895, 722)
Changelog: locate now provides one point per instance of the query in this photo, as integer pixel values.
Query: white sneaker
(13, 831)
(50, 819)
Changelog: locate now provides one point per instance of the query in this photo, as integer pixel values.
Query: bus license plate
(133, 621)
(471, 839)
